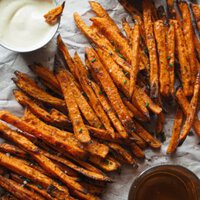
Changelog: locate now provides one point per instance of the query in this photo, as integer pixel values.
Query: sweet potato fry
(47, 164)
(138, 140)
(80, 131)
(189, 39)
(178, 120)
(127, 28)
(18, 166)
(135, 42)
(45, 74)
(103, 134)
(160, 123)
(184, 64)
(94, 147)
(8, 148)
(109, 164)
(110, 89)
(101, 12)
(101, 42)
(136, 113)
(171, 55)
(17, 190)
(149, 102)
(95, 103)
(107, 107)
(68, 144)
(84, 106)
(119, 78)
(140, 104)
(137, 151)
(63, 49)
(31, 186)
(37, 110)
(193, 108)
(132, 11)
(126, 156)
(54, 15)
(146, 136)
(59, 118)
(185, 106)
(29, 86)
(151, 45)
(109, 32)
(160, 35)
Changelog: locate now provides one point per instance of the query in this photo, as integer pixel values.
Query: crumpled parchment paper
(187, 155)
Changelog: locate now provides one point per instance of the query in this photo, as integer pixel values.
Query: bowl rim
(150, 170)
(37, 47)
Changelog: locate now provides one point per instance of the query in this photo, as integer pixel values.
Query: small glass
(166, 182)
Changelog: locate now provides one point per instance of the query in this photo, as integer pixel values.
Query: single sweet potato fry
(160, 35)
(185, 105)
(186, 77)
(135, 57)
(189, 39)
(54, 15)
(151, 45)
(193, 108)
(171, 55)
(178, 120)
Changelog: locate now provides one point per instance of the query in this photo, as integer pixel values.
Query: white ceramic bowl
(42, 42)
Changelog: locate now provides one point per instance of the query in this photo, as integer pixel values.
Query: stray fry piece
(54, 15)
(160, 35)
(135, 44)
(193, 108)
(178, 120)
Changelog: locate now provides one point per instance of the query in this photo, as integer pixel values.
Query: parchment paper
(187, 155)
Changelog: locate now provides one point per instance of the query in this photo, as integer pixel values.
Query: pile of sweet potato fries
(85, 119)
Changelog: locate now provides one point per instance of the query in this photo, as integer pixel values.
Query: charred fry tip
(17, 73)
(181, 141)
(14, 80)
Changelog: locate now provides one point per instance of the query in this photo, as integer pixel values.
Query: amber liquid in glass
(162, 187)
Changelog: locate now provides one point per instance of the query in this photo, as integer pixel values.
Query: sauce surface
(22, 24)
(163, 187)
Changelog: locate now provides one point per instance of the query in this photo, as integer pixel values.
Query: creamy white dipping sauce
(22, 24)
